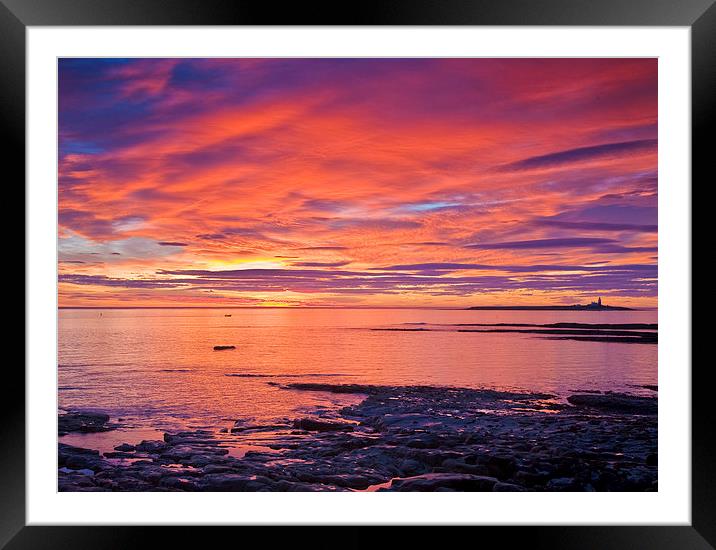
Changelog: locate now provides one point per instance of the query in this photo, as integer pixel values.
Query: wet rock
(77, 458)
(652, 459)
(502, 467)
(125, 447)
(151, 446)
(83, 472)
(422, 438)
(424, 441)
(313, 425)
(432, 457)
(410, 467)
(83, 422)
(179, 483)
(461, 466)
(617, 403)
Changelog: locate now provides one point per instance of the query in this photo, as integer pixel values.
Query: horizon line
(449, 308)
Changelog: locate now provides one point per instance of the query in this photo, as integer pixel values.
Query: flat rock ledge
(83, 422)
(413, 438)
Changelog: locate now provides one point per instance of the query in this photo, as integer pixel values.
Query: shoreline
(397, 438)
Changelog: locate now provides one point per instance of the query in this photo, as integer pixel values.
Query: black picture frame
(17, 15)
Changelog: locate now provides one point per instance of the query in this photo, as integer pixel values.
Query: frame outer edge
(12, 122)
(703, 105)
(12, 115)
(363, 12)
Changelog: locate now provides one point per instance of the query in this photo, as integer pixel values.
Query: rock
(424, 441)
(151, 446)
(614, 402)
(461, 466)
(84, 471)
(83, 422)
(219, 348)
(179, 483)
(502, 467)
(312, 425)
(432, 457)
(233, 482)
(421, 438)
(562, 484)
(431, 482)
(77, 458)
(118, 454)
(410, 467)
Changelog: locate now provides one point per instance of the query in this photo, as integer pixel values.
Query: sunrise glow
(357, 182)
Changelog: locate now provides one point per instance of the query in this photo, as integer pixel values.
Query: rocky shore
(398, 438)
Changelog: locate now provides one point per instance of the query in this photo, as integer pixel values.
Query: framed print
(427, 265)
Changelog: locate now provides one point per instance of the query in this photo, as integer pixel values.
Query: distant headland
(594, 306)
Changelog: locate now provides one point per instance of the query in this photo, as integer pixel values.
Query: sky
(357, 182)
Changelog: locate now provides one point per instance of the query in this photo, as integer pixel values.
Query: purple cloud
(581, 154)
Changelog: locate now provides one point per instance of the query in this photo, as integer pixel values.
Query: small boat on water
(219, 348)
(227, 315)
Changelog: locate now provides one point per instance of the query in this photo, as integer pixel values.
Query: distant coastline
(594, 306)
(575, 307)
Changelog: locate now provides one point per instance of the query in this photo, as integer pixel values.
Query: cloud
(598, 226)
(581, 154)
(320, 264)
(363, 163)
(568, 242)
(365, 283)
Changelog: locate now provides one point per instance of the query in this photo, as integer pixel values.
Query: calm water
(157, 369)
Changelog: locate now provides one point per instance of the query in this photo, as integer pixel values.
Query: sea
(156, 370)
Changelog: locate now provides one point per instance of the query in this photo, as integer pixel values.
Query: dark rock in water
(652, 459)
(219, 348)
(243, 426)
(83, 422)
(151, 446)
(618, 403)
(125, 447)
(433, 482)
(312, 425)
